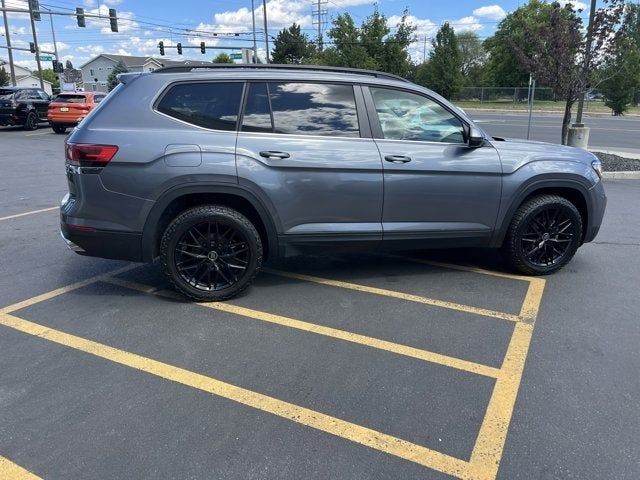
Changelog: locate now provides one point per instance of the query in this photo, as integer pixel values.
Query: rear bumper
(102, 243)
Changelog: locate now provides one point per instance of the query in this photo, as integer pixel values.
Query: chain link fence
(516, 98)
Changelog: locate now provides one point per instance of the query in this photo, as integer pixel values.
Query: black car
(23, 106)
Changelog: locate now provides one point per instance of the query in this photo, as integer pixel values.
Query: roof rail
(271, 66)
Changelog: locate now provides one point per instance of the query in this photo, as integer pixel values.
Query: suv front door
(435, 186)
(306, 149)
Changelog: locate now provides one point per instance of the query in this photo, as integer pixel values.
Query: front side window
(314, 109)
(408, 116)
(209, 105)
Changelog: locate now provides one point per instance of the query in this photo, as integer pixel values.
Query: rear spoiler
(125, 78)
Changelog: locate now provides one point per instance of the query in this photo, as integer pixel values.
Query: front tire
(544, 234)
(58, 128)
(211, 253)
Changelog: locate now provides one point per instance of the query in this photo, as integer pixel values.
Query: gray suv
(214, 169)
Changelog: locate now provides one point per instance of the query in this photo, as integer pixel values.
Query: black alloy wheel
(58, 128)
(211, 252)
(31, 123)
(544, 235)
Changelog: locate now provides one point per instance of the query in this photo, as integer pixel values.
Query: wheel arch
(181, 198)
(573, 190)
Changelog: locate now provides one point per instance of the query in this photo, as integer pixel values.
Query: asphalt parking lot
(423, 365)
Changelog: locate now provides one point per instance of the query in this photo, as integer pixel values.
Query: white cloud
(577, 5)
(424, 26)
(466, 24)
(493, 12)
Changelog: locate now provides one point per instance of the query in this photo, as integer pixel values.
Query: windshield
(6, 94)
(70, 99)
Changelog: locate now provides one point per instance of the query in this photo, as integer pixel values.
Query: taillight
(89, 155)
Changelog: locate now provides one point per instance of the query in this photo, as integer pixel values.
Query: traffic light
(202, 47)
(34, 7)
(57, 67)
(113, 19)
(32, 47)
(179, 47)
(80, 17)
(161, 47)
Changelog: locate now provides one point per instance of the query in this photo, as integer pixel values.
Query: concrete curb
(621, 175)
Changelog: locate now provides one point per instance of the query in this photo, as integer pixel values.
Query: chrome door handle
(397, 158)
(274, 154)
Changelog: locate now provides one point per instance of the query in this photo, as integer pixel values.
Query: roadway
(614, 133)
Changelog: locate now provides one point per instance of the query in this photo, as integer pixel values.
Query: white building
(96, 71)
(24, 77)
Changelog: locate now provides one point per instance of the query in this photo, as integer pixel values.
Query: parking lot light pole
(266, 32)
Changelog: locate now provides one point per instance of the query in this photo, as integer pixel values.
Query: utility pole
(424, 50)
(55, 45)
(266, 32)
(578, 134)
(35, 43)
(318, 19)
(6, 31)
(253, 21)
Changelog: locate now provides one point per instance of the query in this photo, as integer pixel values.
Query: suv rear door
(305, 148)
(435, 186)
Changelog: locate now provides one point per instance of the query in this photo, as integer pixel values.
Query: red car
(67, 109)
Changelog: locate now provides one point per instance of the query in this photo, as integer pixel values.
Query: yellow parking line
(18, 215)
(392, 347)
(487, 451)
(59, 291)
(399, 295)
(320, 421)
(11, 471)
(532, 299)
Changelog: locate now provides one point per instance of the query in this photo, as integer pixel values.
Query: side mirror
(476, 138)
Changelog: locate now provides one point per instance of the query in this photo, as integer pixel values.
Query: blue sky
(143, 23)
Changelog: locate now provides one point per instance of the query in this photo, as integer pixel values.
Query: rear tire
(544, 234)
(58, 128)
(31, 123)
(211, 253)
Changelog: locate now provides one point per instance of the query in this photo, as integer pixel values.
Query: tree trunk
(566, 120)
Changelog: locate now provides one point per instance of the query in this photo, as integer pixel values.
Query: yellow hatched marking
(320, 421)
(11, 471)
(59, 291)
(392, 347)
(399, 295)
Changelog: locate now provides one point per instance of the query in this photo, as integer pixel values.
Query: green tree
(4, 77)
(502, 67)
(370, 46)
(443, 71)
(473, 57)
(292, 46)
(68, 65)
(112, 79)
(223, 58)
(620, 76)
(555, 48)
(49, 75)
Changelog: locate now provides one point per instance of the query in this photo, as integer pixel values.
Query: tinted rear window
(314, 109)
(6, 94)
(209, 105)
(70, 99)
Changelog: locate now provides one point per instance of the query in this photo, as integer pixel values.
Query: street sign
(45, 58)
(236, 56)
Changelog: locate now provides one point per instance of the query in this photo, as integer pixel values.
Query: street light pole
(266, 32)
(6, 31)
(587, 60)
(253, 21)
